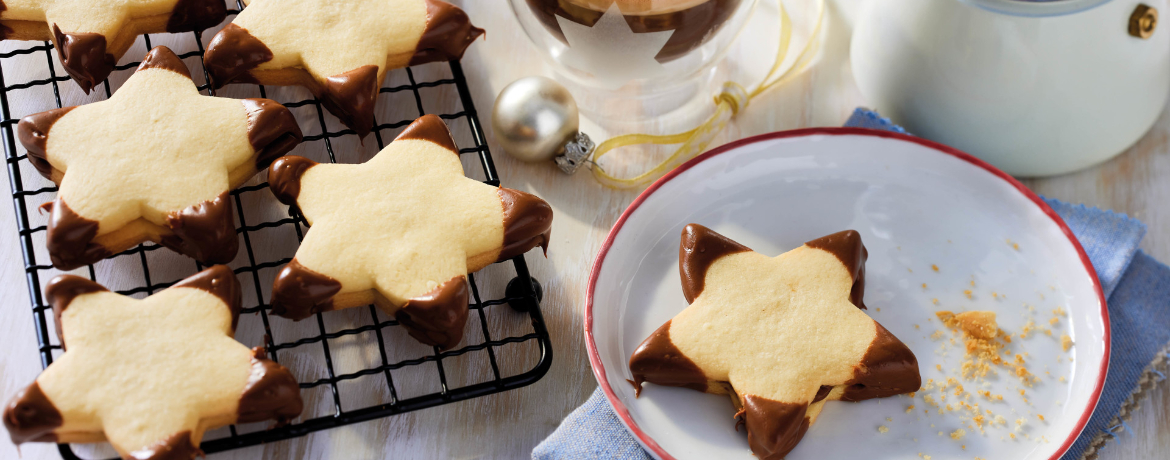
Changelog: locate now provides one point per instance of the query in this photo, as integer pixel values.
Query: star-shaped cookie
(781, 335)
(91, 35)
(401, 231)
(150, 375)
(338, 49)
(154, 162)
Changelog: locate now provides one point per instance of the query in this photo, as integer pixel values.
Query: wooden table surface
(510, 424)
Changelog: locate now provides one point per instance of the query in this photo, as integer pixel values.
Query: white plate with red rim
(917, 204)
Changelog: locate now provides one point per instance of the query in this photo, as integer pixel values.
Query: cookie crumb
(958, 434)
(882, 429)
(934, 267)
(1066, 342)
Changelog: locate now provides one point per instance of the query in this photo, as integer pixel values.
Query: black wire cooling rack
(500, 332)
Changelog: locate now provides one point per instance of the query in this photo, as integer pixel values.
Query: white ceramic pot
(1035, 88)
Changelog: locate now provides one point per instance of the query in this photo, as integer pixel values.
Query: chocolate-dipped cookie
(401, 231)
(781, 335)
(155, 162)
(338, 49)
(150, 375)
(90, 36)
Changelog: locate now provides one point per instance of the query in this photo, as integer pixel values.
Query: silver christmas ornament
(536, 119)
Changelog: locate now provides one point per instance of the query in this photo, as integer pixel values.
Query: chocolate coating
(429, 128)
(205, 231)
(351, 97)
(162, 57)
(5, 31)
(438, 317)
(700, 247)
(284, 177)
(822, 393)
(847, 247)
(190, 15)
(773, 427)
(33, 132)
(888, 368)
(61, 291)
(272, 393)
(448, 34)
(272, 130)
(70, 238)
(31, 417)
(175, 447)
(298, 293)
(84, 57)
(232, 53)
(689, 27)
(220, 281)
(658, 360)
(527, 223)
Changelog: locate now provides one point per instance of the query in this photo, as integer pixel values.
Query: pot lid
(1035, 8)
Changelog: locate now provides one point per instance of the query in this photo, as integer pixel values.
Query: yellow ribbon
(729, 102)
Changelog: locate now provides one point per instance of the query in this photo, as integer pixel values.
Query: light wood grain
(509, 425)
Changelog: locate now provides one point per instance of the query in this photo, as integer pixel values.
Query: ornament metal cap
(576, 153)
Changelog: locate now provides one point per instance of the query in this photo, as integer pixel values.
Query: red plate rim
(595, 359)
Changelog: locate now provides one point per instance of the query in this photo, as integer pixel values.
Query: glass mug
(656, 54)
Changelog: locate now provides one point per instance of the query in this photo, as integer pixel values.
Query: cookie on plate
(781, 335)
(152, 375)
(90, 36)
(338, 49)
(155, 162)
(401, 231)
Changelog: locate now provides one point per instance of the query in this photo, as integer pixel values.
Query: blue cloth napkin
(1137, 288)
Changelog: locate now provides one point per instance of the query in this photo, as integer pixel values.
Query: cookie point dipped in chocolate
(448, 34)
(658, 361)
(691, 22)
(527, 223)
(698, 249)
(61, 290)
(438, 317)
(298, 292)
(84, 57)
(272, 393)
(801, 302)
(232, 53)
(401, 231)
(272, 130)
(33, 132)
(190, 15)
(173, 187)
(181, 376)
(351, 97)
(284, 177)
(220, 281)
(31, 417)
(295, 42)
(847, 246)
